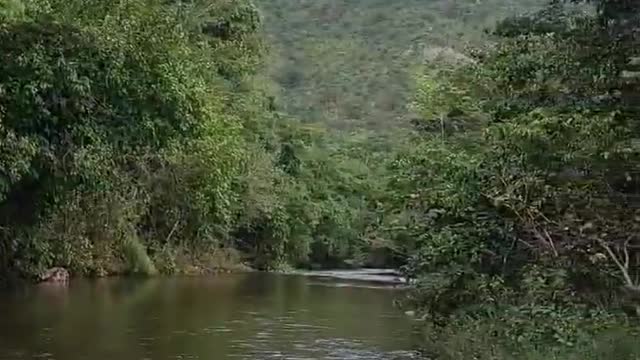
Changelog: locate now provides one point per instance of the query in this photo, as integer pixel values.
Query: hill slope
(350, 63)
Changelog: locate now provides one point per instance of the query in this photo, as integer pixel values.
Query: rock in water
(56, 274)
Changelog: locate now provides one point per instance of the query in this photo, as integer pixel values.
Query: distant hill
(350, 63)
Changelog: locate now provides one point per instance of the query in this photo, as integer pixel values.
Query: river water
(253, 316)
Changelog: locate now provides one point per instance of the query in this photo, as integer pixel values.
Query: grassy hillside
(350, 63)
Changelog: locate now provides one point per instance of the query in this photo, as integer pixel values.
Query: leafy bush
(522, 190)
(106, 129)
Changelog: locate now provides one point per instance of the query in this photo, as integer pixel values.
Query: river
(253, 316)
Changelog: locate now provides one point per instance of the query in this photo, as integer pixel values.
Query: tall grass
(484, 343)
(137, 259)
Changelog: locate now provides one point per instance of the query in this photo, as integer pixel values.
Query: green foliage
(111, 136)
(137, 258)
(144, 136)
(349, 64)
(304, 204)
(499, 338)
(11, 9)
(142, 131)
(520, 189)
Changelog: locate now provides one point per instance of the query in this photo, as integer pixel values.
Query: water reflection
(240, 316)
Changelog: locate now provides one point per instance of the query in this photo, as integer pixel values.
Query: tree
(534, 207)
(92, 113)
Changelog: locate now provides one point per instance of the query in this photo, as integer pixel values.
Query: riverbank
(182, 263)
(223, 261)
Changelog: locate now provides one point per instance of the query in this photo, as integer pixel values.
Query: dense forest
(487, 148)
(352, 64)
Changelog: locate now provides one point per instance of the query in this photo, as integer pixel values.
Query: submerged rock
(56, 275)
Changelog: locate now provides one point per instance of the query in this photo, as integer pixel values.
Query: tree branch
(624, 270)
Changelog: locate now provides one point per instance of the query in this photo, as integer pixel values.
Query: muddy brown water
(253, 316)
